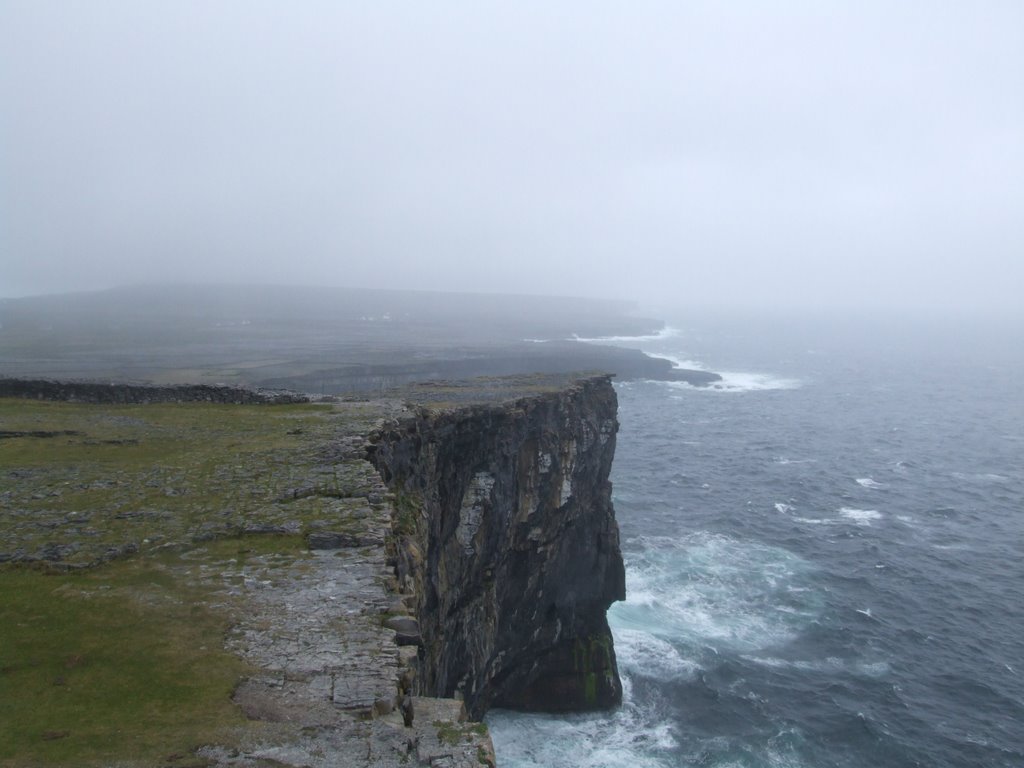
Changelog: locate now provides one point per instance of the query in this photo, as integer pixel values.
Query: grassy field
(118, 665)
(118, 525)
(81, 483)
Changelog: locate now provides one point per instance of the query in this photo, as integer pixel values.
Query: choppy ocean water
(825, 554)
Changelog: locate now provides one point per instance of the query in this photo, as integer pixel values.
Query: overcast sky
(733, 153)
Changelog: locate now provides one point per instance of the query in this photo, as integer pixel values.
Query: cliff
(379, 593)
(505, 538)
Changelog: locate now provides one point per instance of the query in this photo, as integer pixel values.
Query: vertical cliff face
(507, 541)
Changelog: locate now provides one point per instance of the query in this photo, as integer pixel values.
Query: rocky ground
(157, 559)
(325, 637)
(335, 647)
(308, 668)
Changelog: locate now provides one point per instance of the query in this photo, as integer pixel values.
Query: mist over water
(822, 554)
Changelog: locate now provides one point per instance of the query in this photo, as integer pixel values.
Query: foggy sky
(735, 153)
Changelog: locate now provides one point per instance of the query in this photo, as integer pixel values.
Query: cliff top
(219, 568)
(490, 390)
(126, 521)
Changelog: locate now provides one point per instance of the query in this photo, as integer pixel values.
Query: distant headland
(318, 340)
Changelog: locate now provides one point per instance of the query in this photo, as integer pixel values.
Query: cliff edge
(361, 602)
(505, 537)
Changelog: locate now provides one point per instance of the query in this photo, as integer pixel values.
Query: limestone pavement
(334, 685)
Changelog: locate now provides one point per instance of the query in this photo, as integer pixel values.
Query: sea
(824, 552)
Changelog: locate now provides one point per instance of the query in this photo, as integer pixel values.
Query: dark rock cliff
(507, 542)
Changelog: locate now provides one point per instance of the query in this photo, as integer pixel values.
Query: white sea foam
(642, 654)
(860, 516)
(782, 508)
(867, 482)
(709, 590)
(678, 362)
(623, 738)
(829, 665)
(732, 381)
(783, 460)
(667, 332)
(737, 381)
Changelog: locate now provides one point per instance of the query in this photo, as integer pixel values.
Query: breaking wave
(860, 516)
(732, 381)
(667, 332)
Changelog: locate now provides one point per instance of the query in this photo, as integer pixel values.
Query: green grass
(149, 475)
(120, 664)
(124, 664)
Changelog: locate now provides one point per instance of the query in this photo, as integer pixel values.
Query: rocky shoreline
(552, 357)
(324, 341)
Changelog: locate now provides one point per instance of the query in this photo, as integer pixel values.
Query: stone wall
(506, 537)
(100, 392)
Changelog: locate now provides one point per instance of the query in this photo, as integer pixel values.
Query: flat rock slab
(321, 629)
(360, 744)
(317, 624)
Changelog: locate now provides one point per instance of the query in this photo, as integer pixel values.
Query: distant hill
(311, 338)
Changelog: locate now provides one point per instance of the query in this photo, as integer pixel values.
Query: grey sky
(786, 153)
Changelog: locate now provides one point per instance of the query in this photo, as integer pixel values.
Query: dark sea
(824, 554)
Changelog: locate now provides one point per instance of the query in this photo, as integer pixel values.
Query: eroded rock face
(506, 536)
